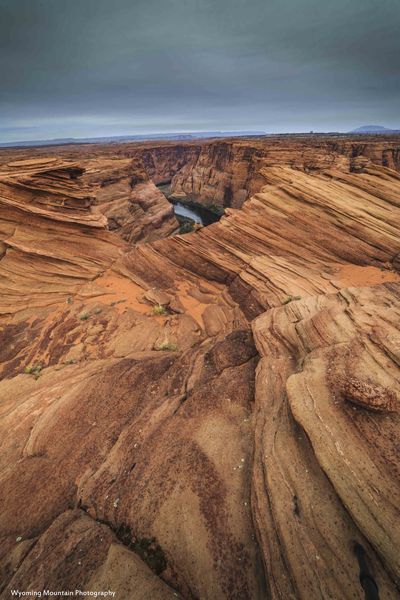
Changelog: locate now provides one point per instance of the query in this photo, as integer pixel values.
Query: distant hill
(374, 129)
(133, 138)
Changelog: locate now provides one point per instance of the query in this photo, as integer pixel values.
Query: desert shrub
(159, 309)
(168, 347)
(290, 299)
(216, 209)
(187, 227)
(34, 370)
(114, 302)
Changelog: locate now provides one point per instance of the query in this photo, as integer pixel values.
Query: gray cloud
(96, 67)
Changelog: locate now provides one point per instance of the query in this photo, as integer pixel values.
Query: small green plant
(69, 300)
(168, 347)
(114, 302)
(187, 227)
(34, 370)
(70, 361)
(290, 299)
(159, 309)
(84, 316)
(97, 311)
(216, 208)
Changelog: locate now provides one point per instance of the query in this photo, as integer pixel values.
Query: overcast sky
(73, 68)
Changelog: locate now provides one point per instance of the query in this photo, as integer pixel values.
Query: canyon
(212, 415)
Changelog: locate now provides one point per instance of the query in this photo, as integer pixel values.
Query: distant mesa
(374, 129)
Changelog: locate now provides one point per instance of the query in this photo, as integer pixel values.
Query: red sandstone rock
(206, 451)
(369, 396)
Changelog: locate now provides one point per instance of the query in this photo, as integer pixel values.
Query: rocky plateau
(204, 416)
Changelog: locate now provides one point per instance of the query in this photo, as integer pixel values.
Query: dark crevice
(296, 508)
(367, 580)
(147, 549)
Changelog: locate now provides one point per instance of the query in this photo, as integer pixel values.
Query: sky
(80, 68)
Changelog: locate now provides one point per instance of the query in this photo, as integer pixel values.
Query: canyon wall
(135, 208)
(227, 172)
(214, 415)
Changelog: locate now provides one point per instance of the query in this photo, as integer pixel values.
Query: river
(197, 213)
(191, 209)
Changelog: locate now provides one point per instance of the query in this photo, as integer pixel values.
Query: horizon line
(190, 133)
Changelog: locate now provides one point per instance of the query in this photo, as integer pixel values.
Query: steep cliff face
(225, 173)
(134, 207)
(163, 162)
(212, 415)
(228, 172)
(386, 154)
(119, 189)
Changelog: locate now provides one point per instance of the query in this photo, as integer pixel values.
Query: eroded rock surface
(135, 209)
(212, 415)
(227, 172)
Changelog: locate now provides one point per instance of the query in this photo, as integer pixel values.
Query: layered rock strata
(228, 172)
(206, 416)
(135, 208)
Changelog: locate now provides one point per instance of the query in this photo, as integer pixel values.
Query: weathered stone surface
(325, 471)
(236, 445)
(85, 555)
(134, 207)
(370, 396)
(227, 172)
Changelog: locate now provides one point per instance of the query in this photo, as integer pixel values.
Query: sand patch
(121, 292)
(359, 276)
(192, 306)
